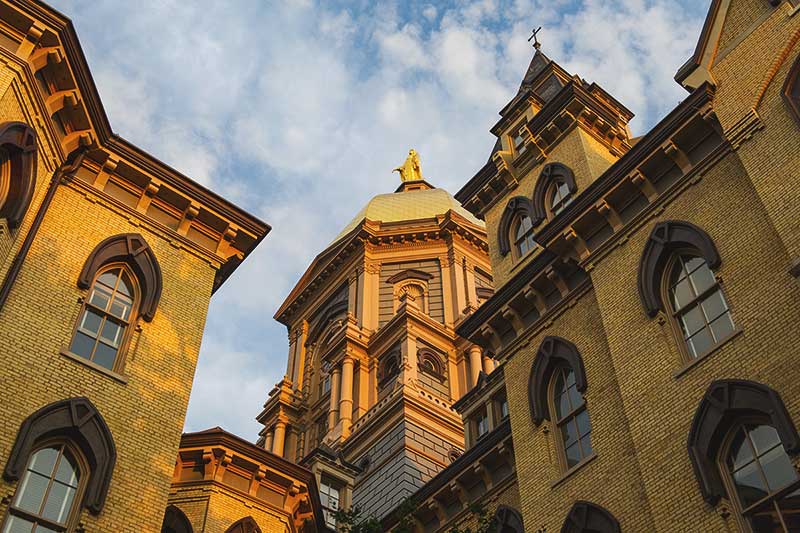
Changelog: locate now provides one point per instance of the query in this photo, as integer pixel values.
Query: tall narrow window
(329, 497)
(699, 308)
(571, 417)
(559, 198)
(104, 323)
(48, 493)
(523, 235)
(763, 479)
(519, 143)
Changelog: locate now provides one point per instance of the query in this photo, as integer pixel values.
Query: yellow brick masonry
(145, 415)
(214, 508)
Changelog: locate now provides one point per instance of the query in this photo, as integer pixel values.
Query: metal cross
(536, 43)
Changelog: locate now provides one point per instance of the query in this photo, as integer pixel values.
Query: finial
(410, 169)
(536, 43)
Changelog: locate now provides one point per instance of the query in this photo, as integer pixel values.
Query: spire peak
(534, 36)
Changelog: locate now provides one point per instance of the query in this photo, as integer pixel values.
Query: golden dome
(410, 202)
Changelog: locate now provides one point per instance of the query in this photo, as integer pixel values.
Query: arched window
(104, 324)
(763, 478)
(175, 521)
(675, 276)
(587, 517)
(698, 308)
(554, 190)
(389, 368)
(48, 495)
(559, 197)
(244, 525)
(739, 445)
(17, 170)
(522, 235)
(507, 520)
(429, 362)
(324, 379)
(570, 417)
(556, 386)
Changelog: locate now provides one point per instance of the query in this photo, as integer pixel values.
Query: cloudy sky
(297, 110)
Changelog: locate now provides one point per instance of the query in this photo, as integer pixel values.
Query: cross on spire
(536, 43)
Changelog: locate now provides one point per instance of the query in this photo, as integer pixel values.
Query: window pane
(573, 455)
(31, 492)
(764, 438)
(714, 305)
(586, 445)
(15, 524)
(778, 468)
(702, 278)
(125, 286)
(766, 520)
(570, 378)
(44, 460)
(692, 262)
(109, 278)
(692, 321)
(681, 294)
(562, 406)
(90, 322)
(120, 308)
(104, 355)
(575, 397)
(82, 345)
(99, 297)
(42, 529)
(67, 472)
(583, 423)
(678, 273)
(741, 452)
(790, 504)
(722, 327)
(749, 484)
(59, 502)
(700, 343)
(568, 433)
(112, 332)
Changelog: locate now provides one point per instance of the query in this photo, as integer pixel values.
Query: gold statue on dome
(410, 169)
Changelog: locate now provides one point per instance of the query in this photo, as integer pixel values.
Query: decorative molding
(665, 238)
(552, 353)
(518, 205)
(77, 421)
(722, 406)
(133, 250)
(587, 516)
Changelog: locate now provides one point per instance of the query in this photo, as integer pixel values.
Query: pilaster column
(268, 440)
(333, 414)
(474, 364)
(469, 278)
(450, 305)
(488, 364)
(280, 437)
(346, 398)
(364, 384)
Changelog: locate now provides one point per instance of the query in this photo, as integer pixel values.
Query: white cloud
(299, 110)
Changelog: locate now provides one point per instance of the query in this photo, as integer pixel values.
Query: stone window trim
(507, 519)
(244, 525)
(176, 521)
(427, 357)
(389, 367)
(79, 422)
(516, 207)
(665, 239)
(724, 404)
(334, 311)
(553, 353)
(588, 516)
(19, 144)
(411, 290)
(551, 173)
(132, 250)
(791, 90)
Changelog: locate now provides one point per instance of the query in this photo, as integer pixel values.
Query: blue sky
(297, 110)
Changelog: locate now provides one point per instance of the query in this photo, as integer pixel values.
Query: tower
(374, 362)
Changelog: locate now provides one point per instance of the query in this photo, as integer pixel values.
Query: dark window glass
(105, 317)
(766, 483)
(698, 305)
(571, 417)
(523, 236)
(560, 197)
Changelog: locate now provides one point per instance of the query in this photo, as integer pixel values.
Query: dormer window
(480, 422)
(518, 141)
